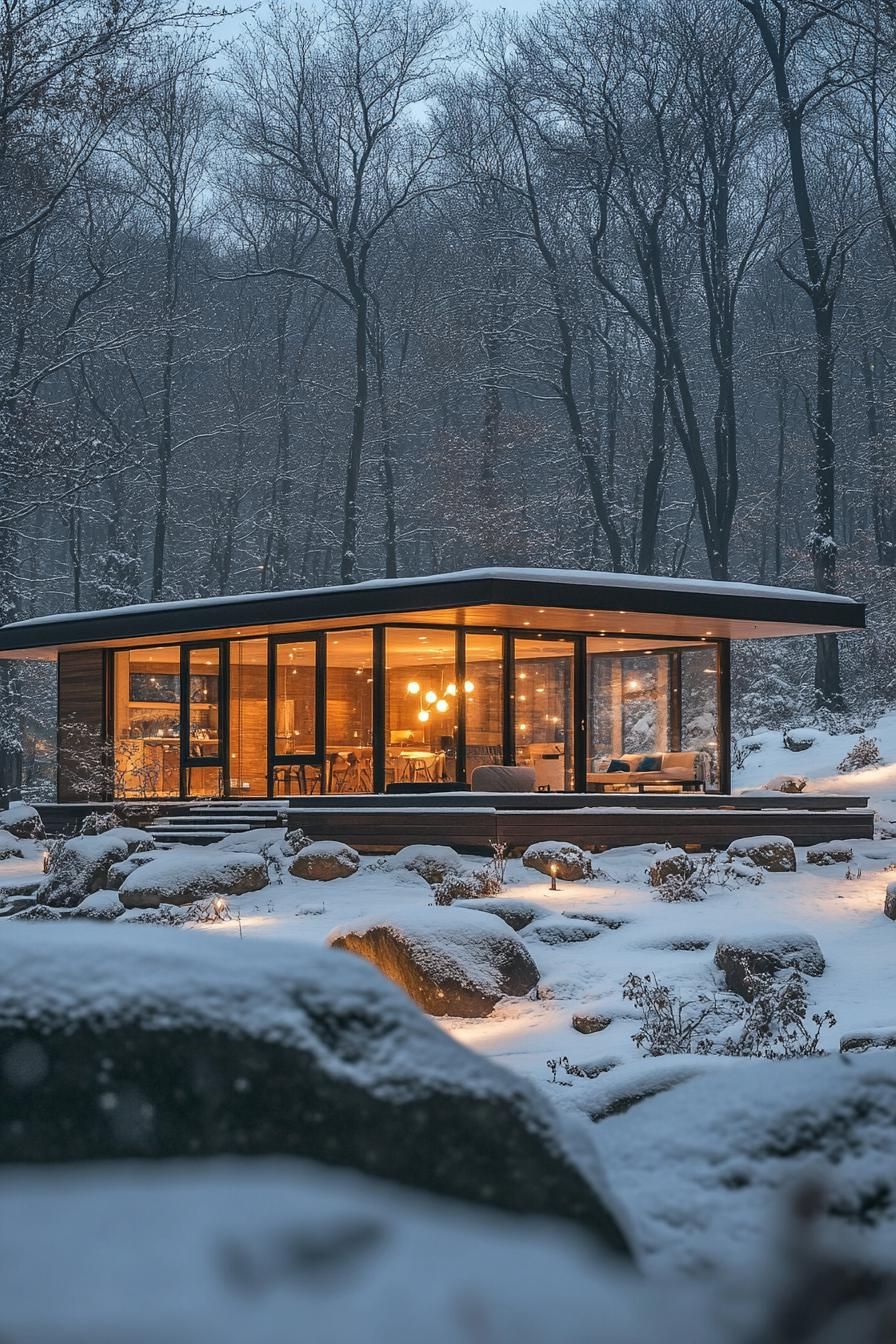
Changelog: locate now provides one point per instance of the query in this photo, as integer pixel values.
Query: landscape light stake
(553, 877)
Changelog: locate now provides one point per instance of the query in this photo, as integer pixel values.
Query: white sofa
(686, 770)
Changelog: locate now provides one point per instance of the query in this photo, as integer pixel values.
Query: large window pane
(421, 706)
(484, 700)
(349, 754)
(248, 718)
(295, 688)
(204, 705)
(700, 705)
(543, 710)
(146, 723)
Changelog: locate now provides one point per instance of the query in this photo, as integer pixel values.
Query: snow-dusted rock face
(324, 861)
(774, 853)
(120, 1042)
(556, 930)
(832, 851)
(764, 954)
(81, 867)
(890, 901)
(431, 862)
(10, 847)
(515, 911)
(119, 871)
(452, 962)
(568, 861)
(876, 1038)
(22, 821)
(179, 877)
(101, 905)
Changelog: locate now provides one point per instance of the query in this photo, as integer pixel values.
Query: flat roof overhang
(571, 600)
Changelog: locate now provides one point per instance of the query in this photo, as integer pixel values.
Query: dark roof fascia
(403, 599)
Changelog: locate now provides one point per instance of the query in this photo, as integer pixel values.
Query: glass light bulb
(468, 686)
(413, 688)
(423, 716)
(442, 706)
(451, 689)
(430, 697)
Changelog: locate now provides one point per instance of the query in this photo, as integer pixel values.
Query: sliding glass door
(543, 702)
(297, 714)
(203, 727)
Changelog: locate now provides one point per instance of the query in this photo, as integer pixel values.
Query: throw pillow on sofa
(617, 767)
(650, 764)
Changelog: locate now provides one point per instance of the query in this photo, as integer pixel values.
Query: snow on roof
(583, 577)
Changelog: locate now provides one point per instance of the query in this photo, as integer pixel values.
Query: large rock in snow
(22, 821)
(10, 846)
(774, 853)
(764, 954)
(119, 1043)
(566, 860)
(514, 910)
(179, 877)
(890, 901)
(81, 867)
(452, 962)
(324, 861)
(431, 862)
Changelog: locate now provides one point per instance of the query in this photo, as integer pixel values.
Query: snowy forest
(385, 288)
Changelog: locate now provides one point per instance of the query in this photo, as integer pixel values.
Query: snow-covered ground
(686, 1224)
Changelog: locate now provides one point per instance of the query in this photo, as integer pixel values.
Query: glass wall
(543, 710)
(349, 702)
(295, 717)
(146, 723)
(700, 704)
(248, 718)
(484, 700)
(421, 706)
(649, 701)
(205, 727)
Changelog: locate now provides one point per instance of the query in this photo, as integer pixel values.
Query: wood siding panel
(83, 743)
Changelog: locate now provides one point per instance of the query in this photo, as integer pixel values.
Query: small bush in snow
(687, 882)
(772, 1025)
(96, 823)
(454, 887)
(296, 839)
(466, 886)
(863, 756)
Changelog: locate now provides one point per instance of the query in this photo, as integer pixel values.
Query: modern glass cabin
(595, 681)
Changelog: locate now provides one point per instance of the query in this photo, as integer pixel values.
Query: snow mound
(179, 877)
(119, 1041)
(270, 1251)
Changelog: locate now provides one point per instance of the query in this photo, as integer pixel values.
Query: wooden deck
(474, 822)
(704, 822)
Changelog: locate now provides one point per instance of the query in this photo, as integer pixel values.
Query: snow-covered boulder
(828, 853)
(673, 866)
(557, 930)
(431, 862)
(764, 954)
(875, 1038)
(324, 861)
(566, 860)
(799, 739)
(82, 866)
(10, 846)
(182, 876)
(121, 1042)
(22, 821)
(258, 840)
(587, 1024)
(119, 871)
(452, 962)
(774, 853)
(101, 905)
(514, 910)
(890, 901)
